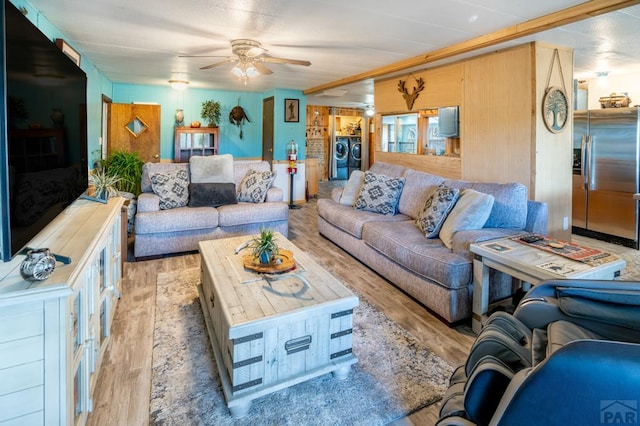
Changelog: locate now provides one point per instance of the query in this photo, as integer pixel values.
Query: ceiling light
(244, 71)
(369, 111)
(178, 84)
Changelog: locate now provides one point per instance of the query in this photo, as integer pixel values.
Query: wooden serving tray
(287, 263)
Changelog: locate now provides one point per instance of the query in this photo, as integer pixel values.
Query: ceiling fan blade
(284, 61)
(262, 68)
(216, 64)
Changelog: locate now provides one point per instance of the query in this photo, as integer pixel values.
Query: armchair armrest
(148, 202)
(274, 195)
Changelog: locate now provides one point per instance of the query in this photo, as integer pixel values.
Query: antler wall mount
(410, 98)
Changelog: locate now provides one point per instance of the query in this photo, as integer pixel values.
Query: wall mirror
(422, 132)
(400, 133)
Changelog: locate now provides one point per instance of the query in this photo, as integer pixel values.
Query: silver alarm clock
(38, 265)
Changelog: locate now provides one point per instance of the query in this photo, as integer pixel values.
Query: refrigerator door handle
(587, 163)
(589, 175)
(583, 160)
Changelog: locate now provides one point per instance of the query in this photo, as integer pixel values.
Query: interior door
(135, 128)
(267, 129)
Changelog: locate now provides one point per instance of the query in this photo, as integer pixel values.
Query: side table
(528, 264)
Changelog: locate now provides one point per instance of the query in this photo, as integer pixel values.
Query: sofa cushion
(248, 213)
(388, 169)
(352, 189)
(418, 187)
(148, 168)
(379, 194)
(405, 244)
(212, 194)
(254, 186)
(436, 209)
(180, 219)
(509, 206)
(470, 212)
(211, 168)
(350, 220)
(242, 167)
(172, 188)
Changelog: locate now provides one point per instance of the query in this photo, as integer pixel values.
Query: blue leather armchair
(569, 355)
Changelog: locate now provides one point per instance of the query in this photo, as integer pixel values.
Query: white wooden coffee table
(529, 265)
(268, 334)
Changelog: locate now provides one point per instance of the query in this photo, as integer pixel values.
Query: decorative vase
(38, 265)
(179, 117)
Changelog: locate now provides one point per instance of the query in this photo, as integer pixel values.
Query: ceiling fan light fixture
(237, 71)
(178, 84)
(251, 71)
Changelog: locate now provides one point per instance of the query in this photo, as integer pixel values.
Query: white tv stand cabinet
(53, 333)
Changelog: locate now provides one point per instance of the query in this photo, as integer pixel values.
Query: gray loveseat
(180, 229)
(438, 277)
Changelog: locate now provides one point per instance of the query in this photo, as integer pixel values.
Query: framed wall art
(292, 110)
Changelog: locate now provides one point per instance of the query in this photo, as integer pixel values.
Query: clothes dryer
(355, 154)
(341, 157)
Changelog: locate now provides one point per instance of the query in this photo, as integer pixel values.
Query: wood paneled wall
(503, 137)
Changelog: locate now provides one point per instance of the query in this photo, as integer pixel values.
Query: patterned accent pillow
(254, 186)
(436, 209)
(379, 194)
(172, 188)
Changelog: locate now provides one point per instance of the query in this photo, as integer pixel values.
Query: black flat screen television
(45, 144)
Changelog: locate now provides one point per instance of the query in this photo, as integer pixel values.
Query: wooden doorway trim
(268, 105)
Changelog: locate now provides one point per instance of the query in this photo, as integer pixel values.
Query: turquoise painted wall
(190, 101)
(285, 132)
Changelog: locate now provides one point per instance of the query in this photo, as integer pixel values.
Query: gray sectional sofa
(438, 277)
(180, 229)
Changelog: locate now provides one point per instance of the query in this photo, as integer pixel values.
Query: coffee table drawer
(289, 349)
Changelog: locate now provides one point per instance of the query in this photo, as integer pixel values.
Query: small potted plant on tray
(264, 246)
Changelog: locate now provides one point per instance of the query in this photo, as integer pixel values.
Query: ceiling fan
(249, 58)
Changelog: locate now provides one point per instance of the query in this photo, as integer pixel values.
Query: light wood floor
(123, 388)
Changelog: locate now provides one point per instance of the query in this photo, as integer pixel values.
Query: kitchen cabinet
(195, 141)
(54, 333)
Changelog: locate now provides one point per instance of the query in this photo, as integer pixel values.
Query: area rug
(395, 374)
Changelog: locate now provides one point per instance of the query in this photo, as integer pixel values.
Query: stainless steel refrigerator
(605, 174)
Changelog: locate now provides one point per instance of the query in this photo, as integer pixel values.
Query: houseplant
(264, 246)
(127, 166)
(211, 112)
(104, 186)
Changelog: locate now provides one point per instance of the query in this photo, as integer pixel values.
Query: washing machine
(355, 154)
(341, 156)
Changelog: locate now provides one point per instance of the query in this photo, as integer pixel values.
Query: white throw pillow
(352, 188)
(211, 168)
(470, 212)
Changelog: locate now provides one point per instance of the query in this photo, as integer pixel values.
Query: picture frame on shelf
(292, 110)
(73, 54)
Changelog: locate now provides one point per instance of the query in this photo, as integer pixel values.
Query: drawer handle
(296, 345)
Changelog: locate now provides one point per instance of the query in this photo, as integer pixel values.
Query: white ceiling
(141, 41)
